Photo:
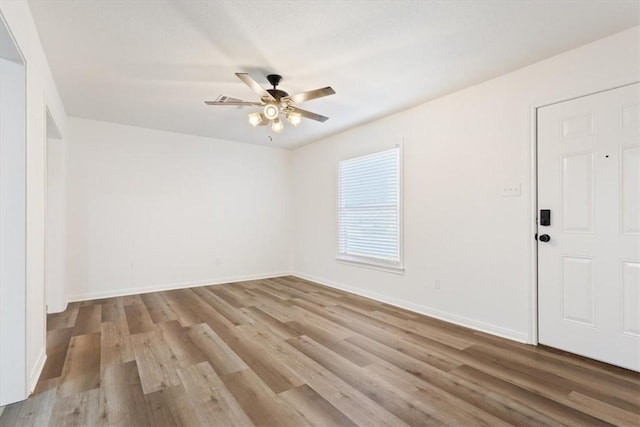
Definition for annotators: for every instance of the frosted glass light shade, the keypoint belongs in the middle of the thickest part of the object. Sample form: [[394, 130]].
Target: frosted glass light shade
[[277, 126], [255, 119], [294, 118]]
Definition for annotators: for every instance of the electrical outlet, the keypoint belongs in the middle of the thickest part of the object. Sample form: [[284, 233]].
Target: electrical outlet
[[217, 261], [436, 284], [511, 190]]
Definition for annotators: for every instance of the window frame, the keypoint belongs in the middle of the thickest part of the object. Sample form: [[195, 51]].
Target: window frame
[[372, 262]]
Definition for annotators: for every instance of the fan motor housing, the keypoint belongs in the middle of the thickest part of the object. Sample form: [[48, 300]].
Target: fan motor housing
[[277, 93]]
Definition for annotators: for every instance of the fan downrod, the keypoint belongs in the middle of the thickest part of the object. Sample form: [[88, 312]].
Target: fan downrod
[[274, 79]]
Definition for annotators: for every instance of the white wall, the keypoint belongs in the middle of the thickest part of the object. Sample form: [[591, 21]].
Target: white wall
[[41, 93], [459, 151], [150, 209]]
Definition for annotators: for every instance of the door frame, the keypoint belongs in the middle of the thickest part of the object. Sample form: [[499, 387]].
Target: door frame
[[22, 347], [533, 200]]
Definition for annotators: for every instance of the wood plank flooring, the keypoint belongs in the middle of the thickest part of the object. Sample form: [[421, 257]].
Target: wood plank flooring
[[288, 352]]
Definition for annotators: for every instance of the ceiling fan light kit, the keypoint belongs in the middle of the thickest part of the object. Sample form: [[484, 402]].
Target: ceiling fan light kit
[[275, 102]]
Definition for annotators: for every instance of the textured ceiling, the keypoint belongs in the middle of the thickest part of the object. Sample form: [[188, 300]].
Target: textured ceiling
[[153, 63]]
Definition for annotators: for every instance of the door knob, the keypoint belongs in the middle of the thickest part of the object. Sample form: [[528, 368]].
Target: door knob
[[544, 238]]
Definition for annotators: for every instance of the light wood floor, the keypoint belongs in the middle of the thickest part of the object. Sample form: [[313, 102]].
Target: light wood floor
[[286, 352]]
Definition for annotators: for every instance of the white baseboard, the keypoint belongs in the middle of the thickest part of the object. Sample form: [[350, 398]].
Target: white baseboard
[[421, 309], [170, 286], [55, 309], [37, 370]]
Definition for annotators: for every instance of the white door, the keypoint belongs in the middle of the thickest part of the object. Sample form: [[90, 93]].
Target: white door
[[589, 269]]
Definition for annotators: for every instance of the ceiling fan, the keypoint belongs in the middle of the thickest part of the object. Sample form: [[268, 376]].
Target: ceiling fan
[[275, 102]]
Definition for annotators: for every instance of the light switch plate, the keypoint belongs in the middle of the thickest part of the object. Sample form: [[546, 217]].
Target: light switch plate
[[511, 190]]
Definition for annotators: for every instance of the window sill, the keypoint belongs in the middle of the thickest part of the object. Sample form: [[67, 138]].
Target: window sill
[[370, 264]]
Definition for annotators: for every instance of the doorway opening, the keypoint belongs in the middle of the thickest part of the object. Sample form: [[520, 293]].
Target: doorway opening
[[55, 222]]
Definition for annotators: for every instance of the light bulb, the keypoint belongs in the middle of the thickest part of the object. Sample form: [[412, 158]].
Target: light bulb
[[294, 118], [271, 111], [277, 126], [255, 119]]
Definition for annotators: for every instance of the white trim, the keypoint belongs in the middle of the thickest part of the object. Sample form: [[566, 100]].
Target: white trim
[[532, 229], [401, 204], [26, 216], [52, 310], [37, 370], [631, 80], [421, 309], [373, 265], [171, 286], [45, 230], [370, 262], [23, 385]]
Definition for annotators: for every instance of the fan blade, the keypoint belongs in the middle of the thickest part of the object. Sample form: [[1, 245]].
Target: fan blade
[[227, 100], [309, 95], [255, 86], [308, 114], [237, 104]]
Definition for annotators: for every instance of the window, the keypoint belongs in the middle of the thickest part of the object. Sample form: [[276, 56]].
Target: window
[[369, 210]]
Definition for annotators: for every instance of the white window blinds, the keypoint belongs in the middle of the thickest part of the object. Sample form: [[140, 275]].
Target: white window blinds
[[369, 208]]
